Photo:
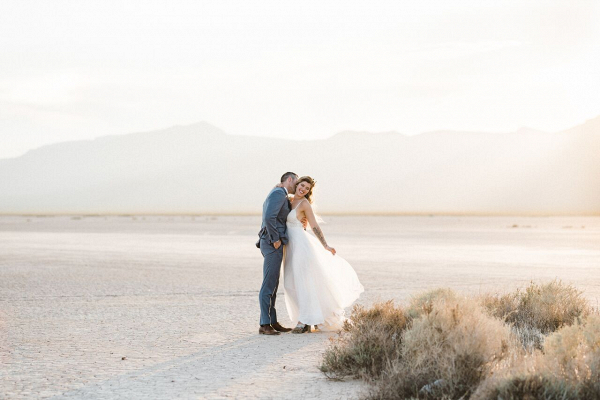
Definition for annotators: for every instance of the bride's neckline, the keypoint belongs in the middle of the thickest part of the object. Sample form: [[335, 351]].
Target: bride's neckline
[[298, 204]]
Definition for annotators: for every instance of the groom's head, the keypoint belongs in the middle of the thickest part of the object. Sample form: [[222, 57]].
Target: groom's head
[[288, 180]]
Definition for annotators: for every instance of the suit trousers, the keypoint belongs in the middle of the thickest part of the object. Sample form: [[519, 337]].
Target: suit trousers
[[268, 291]]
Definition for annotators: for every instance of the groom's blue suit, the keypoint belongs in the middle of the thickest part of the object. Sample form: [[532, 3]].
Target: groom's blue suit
[[275, 211]]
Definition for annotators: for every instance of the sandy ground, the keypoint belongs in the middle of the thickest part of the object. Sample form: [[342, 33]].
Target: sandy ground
[[166, 307]]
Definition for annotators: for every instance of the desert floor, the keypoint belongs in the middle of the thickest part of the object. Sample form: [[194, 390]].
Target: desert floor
[[166, 307]]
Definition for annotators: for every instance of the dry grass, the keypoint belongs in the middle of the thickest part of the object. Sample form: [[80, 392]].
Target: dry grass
[[422, 303], [568, 367], [367, 343], [542, 342], [538, 310], [572, 354], [446, 351]]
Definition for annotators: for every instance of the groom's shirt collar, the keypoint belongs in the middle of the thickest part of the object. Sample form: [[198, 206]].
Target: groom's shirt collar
[[286, 192]]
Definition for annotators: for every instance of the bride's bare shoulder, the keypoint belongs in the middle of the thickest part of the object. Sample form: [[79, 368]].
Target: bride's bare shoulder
[[305, 205]]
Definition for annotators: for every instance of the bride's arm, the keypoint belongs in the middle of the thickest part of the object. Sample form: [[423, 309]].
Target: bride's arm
[[312, 220]]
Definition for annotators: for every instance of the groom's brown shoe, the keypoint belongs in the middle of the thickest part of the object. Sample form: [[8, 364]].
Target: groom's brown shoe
[[267, 330], [280, 328]]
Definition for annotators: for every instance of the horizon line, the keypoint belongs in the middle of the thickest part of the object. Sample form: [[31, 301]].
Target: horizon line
[[333, 214]]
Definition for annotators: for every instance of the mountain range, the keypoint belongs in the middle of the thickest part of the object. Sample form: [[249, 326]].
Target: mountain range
[[199, 169]]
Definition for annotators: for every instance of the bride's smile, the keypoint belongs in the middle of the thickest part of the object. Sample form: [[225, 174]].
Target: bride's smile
[[302, 189]]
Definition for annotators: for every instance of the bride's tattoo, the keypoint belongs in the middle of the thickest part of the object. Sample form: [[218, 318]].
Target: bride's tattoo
[[319, 235]]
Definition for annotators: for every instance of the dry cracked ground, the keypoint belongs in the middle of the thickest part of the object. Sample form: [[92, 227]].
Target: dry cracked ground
[[166, 307]]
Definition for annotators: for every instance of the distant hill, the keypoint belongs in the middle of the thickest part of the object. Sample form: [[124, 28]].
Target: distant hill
[[201, 169]]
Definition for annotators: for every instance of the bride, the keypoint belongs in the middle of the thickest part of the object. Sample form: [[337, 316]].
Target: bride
[[318, 284]]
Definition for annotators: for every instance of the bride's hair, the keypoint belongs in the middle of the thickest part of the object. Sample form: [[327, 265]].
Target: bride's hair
[[311, 182]]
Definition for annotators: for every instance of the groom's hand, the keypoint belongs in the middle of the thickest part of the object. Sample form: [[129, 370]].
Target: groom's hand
[[277, 244], [304, 222]]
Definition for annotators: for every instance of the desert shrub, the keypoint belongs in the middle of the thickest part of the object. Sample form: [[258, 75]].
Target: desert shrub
[[530, 387], [445, 352], [538, 310], [542, 342], [550, 306], [369, 340], [501, 306], [422, 303], [567, 368], [572, 354], [530, 337]]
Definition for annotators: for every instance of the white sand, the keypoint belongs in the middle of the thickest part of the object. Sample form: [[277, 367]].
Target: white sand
[[177, 296]]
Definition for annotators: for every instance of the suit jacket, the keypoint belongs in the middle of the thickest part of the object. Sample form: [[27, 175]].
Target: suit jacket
[[275, 211]]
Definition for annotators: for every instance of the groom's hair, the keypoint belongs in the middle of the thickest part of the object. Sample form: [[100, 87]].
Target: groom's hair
[[285, 176]]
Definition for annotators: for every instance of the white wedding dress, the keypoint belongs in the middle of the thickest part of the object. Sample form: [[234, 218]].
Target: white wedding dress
[[318, 285]]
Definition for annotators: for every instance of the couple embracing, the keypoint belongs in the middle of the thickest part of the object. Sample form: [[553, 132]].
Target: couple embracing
[[318, 284]]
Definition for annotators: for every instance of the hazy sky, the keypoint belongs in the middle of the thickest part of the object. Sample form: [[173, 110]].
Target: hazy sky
[[82, 69]]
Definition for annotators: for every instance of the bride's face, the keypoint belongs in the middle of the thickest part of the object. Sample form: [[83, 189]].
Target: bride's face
[[302, 189]]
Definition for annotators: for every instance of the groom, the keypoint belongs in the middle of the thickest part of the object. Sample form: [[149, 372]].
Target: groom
[[272, 237]]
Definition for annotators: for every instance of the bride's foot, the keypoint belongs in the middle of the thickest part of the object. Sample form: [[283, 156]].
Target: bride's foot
[[301, 328], [316, 328]]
